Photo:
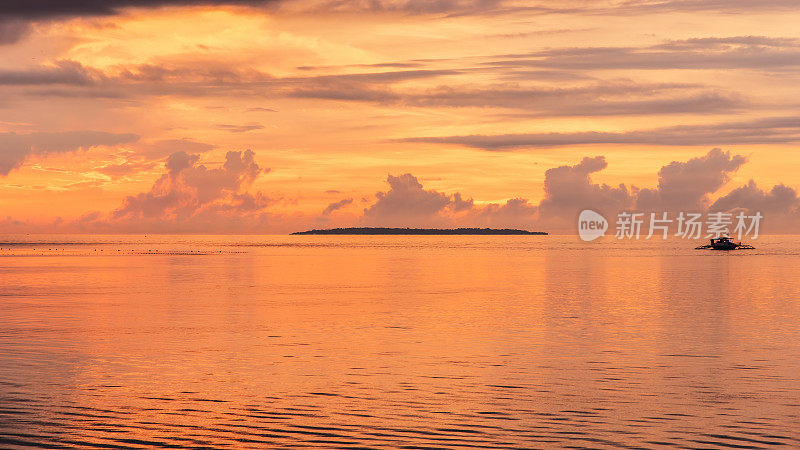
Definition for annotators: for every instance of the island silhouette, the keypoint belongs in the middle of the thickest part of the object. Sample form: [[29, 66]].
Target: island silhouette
[[422, 231]]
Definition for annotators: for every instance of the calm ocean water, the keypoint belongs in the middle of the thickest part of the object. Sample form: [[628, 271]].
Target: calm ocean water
[[397, 342]]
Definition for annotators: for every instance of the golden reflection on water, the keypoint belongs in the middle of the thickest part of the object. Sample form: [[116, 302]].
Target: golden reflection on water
[[439, 342]]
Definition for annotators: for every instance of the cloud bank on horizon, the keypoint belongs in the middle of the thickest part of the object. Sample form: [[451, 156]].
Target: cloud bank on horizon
[[192, 198], [115, 115]]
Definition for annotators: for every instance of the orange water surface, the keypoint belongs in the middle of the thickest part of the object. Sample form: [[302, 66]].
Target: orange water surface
[[397, 342]]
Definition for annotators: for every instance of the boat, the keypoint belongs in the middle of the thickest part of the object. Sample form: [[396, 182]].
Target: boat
[[725, 243]]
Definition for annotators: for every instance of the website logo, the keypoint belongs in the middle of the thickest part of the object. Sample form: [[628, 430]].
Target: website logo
[[591, 225]]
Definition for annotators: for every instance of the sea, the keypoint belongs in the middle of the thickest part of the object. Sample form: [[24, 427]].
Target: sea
[[413, 342]]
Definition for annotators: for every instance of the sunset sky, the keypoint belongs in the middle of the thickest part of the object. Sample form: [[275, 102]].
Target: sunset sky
[[271, 116]]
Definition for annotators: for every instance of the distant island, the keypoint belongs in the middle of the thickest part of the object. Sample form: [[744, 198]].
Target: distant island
[[423, 231]]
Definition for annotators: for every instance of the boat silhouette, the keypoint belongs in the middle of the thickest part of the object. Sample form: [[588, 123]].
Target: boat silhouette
[[724, 243]]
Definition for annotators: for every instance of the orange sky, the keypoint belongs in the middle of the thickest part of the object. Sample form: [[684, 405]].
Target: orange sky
[[475, 97]]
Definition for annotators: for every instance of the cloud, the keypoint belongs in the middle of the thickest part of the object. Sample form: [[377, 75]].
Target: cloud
[[70, 79], [409, 7], [728, 42], [685, 186], [12, 31], [773, 130], [569, 190], [336, 205], [780, 201], [605, 98], [47, 9], [16, 148], [690, 6], [406, 201], [128, 167], [408, 204], [192, 197], [165, 147], [53, 8], [240, 128], [63, 72], [514, 213], [736, 52]]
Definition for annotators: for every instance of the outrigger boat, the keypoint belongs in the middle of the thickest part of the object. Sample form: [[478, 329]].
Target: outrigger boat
[[724, 243]]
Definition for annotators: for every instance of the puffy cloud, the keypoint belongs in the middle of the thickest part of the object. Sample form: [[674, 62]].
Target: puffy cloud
[[336, 205], [407, 203], [192, 197], [514, 213], [686, 186], [569, 189], [179, 161], [780, 206], [16, 148]]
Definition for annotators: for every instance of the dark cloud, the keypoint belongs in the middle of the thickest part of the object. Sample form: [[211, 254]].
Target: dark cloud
[[728, 42], [386, 77], [606, 98], [774, 130], [600, 99], [12, 31], [738, 52], [179, 161], [63, 72], [70, 79], [240, 128], [14, 10], [336, 205], [690, 6], [47, 9], [535, 97], [363, 87], [411, 7], [16, 148]]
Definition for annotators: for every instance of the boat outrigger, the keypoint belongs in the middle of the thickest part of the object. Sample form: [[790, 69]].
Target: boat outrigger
[[724, 243]]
